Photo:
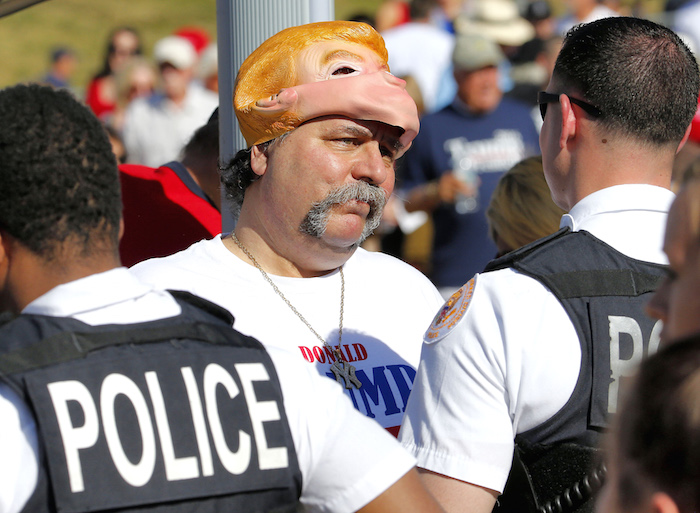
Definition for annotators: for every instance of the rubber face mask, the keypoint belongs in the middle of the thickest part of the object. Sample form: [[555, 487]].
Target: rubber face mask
[[320, 69]]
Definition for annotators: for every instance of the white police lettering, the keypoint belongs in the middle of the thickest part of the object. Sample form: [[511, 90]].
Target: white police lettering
[[85, 435], [135, 474], [74, 438], [235, 462], [625, 328], [261, 411], [200, 426], [175, 468]]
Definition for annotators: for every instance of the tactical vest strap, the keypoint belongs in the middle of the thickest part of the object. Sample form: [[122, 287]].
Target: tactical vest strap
[[599, 283], [67, 346]]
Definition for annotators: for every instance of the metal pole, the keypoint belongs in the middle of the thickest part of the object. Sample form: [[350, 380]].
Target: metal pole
[[242, 25]]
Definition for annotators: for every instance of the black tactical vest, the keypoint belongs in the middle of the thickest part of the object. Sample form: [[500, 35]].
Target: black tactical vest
[[604, 293], [180, 414]]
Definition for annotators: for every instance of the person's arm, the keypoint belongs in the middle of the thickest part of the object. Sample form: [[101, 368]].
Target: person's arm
[[457, 496], [428, 196], [18, 452], [457, 422], [408, 494]]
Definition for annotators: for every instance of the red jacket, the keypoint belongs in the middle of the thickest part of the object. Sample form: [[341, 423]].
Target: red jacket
[[165, 211]]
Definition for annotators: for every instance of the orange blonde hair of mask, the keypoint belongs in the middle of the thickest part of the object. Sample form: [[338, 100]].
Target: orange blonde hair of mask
[[272, 67]]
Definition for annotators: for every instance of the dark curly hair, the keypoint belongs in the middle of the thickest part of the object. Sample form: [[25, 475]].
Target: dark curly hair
[[58, 175], [641, 76], [237, 175]]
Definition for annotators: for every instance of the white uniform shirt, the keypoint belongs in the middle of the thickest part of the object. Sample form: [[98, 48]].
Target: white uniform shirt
[[513, 358], [346, 460]]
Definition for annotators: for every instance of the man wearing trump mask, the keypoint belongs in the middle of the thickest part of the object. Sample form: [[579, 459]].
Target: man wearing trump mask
[[324, 122]]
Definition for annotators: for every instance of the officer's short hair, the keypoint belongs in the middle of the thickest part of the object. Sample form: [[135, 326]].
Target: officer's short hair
[[641, 76], [58, 176]]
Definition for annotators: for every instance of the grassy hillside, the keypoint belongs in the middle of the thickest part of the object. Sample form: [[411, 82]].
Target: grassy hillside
[[27, 37]]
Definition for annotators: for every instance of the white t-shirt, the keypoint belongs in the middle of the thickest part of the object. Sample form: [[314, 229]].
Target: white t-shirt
[[388, 305], [422, 51], [511, 359], [156, 130], [346, 460]]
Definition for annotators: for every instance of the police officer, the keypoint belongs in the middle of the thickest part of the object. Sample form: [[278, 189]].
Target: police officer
[[538, 346], [116, 396]]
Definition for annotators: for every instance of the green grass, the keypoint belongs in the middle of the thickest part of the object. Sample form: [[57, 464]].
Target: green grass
[[27, 37]]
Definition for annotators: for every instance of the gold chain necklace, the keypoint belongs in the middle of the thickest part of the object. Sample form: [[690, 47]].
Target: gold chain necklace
[[344, 372]]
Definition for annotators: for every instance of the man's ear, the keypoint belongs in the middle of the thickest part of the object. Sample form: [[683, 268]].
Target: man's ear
[[258, 159], [685, 138], [662, 503], [121, 228], [5, 247], [568, 121], [5, 251]]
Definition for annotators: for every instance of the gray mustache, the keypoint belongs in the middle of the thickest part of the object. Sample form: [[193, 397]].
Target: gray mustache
[[315, 222]]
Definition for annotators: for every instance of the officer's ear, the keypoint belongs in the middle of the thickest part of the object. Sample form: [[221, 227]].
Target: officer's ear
[[259, 159], [5, 252], [4, 247], [568, 121], [685, 138]]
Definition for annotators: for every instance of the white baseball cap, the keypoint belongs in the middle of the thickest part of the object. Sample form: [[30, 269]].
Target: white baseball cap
[[175, 50]]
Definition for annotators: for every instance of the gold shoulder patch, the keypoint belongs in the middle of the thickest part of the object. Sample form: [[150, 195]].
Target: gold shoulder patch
[[450, 313]]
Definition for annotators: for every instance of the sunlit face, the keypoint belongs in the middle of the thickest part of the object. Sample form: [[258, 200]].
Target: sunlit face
[[125, 44], [336, 59], [479, 89], [313, 161], [677, 301], [175, 81], [141, 82]]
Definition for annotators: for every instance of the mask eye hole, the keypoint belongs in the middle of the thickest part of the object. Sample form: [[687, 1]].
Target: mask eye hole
[[344, 70]]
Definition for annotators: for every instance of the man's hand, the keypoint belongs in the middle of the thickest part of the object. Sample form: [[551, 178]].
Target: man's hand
[[447, 189]]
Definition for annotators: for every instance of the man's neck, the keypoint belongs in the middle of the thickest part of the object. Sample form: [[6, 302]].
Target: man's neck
[[203, 172], [32, 276], [280, 256], [624, 163]]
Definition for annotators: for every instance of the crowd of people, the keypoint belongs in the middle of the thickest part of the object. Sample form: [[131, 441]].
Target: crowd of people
[[545, 360]]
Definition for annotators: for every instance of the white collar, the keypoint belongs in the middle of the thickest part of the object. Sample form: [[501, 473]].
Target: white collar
[[87, 294], [617, 198]]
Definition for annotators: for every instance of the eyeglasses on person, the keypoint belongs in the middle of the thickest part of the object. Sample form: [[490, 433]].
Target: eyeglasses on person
[[544, 98]]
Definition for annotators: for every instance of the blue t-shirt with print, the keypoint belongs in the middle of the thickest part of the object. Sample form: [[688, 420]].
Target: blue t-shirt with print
[[486, 145]]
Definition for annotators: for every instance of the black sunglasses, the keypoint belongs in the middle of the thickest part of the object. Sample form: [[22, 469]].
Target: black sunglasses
[[544, 98]]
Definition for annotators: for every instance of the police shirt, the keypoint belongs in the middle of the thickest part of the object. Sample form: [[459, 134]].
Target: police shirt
[[336, 476], [509, 357]]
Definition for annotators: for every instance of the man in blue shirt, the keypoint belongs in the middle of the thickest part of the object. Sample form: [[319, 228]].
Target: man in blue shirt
[[458, 157]]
